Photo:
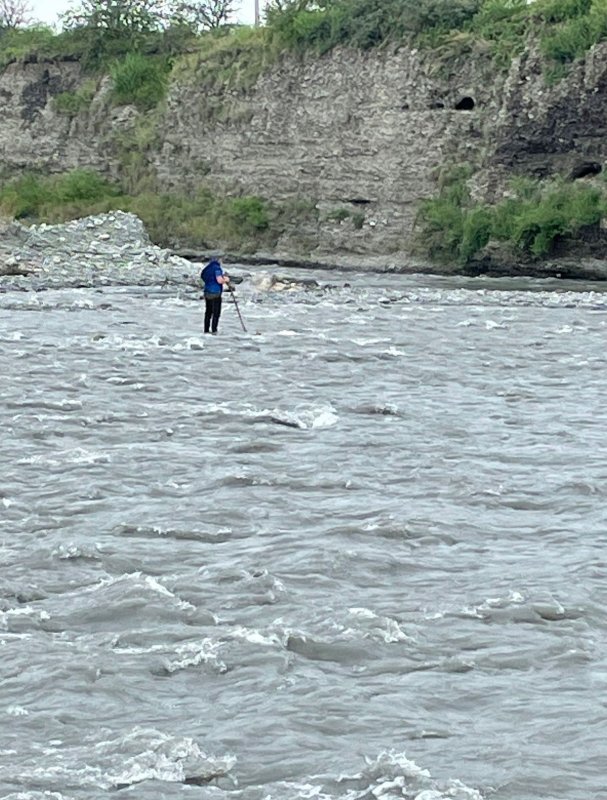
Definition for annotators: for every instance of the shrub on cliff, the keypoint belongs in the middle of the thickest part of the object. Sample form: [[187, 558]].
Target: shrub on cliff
[[72, 103], [305, 24], [57, 197], [566, 29], [453, 228], [139, 80], [205, 219], [15, 43]]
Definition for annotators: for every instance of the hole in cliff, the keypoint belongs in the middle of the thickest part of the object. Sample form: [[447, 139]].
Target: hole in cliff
[[584, 169], [436, 104], [358, 201], [465, 104]]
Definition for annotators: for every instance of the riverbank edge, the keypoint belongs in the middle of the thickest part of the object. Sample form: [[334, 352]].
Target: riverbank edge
[[588, 269]]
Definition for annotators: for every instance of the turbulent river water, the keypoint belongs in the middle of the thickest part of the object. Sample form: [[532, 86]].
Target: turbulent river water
[[358, 552]]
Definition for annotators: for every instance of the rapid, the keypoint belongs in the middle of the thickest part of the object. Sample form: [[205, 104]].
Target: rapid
[[356, 553]]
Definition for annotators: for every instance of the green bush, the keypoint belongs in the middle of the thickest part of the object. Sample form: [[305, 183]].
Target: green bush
[[249, 214], [562, 10], [72, 103], [358, 220], [82, 184], [338, 215], [561, 212], [25, 196], [204, 219], [364, 23], [17, 43], [477, 227], [139, 80], [453, 228], [504, 25], [37, 197], [230, 61], [573, 38]]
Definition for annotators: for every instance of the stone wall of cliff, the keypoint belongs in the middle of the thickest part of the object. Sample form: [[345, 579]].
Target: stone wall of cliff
[[362, 132]]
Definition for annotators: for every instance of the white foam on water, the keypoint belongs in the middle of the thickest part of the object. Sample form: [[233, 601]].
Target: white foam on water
[[78, 455], [192, 654], [323, 416], [380, 627], [254, 636], [141, 755], [298, 791], [17, 711], [71, 551], [168, 759], [359, 342], [11, 614], [191, 343], [45, 795], [139, 580], [393, 776]]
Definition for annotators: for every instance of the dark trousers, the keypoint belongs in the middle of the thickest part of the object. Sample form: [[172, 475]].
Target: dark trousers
[[212, 312]]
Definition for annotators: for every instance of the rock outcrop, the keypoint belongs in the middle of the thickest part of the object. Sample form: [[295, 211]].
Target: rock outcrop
[[358, 137]]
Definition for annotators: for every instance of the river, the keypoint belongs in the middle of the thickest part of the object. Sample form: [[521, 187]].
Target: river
[[355, 553]]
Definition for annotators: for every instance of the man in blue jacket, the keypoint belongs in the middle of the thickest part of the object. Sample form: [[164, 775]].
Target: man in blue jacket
[[214, 279]]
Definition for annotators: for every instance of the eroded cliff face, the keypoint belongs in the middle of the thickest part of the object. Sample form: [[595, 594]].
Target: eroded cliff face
[[362, 133]]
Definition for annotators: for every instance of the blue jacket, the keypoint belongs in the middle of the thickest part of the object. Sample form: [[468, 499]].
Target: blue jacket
[[209, 276]]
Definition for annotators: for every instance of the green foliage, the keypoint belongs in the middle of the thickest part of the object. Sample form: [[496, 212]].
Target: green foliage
[[204, 219], [34, 196], [561, 211], [338, 215], [574, 37], [453, 228], [115, 16], [302, 25], [504, 25], [477, 226], [231, 60], [562, 10], [17, 43], [248, 213], [103, 32], [82, 185], [24, 197], [566, 28], [72, 103], [356, 218], [139, 80]]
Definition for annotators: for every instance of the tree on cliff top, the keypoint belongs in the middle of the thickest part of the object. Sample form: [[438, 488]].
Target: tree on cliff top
[[15, 14], [203, 15], [116, 16], [147, 15]]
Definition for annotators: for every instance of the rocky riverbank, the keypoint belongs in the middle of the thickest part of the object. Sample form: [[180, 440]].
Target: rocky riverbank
[[115, 249], [107, 249]]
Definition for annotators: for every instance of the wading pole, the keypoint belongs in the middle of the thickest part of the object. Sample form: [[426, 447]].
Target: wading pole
[[231, 291]]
